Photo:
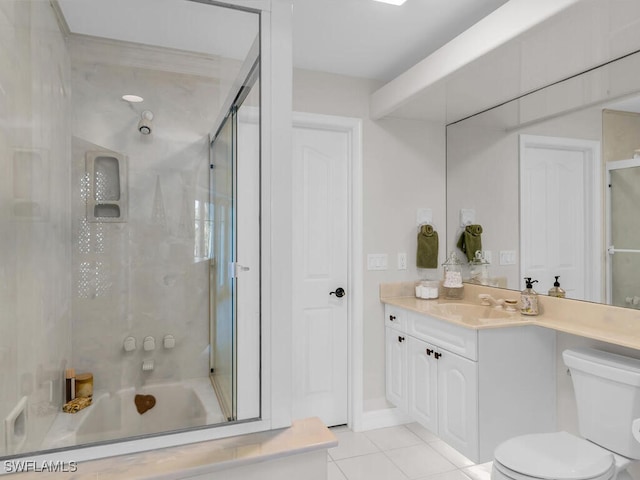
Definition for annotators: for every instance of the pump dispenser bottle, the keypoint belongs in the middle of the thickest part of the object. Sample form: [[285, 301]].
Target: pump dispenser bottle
[[529, 298], [556, 291]]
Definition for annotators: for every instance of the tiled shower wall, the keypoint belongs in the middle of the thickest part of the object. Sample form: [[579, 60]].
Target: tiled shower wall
[[144, 276], [35, 216]]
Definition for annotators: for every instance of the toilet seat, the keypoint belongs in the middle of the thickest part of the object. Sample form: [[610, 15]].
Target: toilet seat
[[553, 456]]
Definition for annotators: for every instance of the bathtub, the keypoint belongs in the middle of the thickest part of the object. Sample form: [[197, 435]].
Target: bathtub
[[112, 416]]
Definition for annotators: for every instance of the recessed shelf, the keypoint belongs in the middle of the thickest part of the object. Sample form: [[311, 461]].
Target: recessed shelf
[[107, 172]]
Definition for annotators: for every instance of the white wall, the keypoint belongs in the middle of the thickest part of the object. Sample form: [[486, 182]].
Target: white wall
[[404, 170]]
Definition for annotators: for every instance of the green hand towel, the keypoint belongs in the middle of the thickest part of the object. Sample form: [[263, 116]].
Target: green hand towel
[[427, 254], [471, 240]]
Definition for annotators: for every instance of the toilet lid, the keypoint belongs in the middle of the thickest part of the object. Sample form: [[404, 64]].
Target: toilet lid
[[559, 456]]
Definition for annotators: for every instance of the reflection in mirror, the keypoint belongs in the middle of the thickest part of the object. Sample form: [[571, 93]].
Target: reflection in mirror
[[124, 293], [537, 174]]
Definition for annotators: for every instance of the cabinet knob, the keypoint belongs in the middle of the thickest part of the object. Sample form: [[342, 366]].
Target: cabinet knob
[[400, 339], [437, 355], [429, 352], [392, 318]]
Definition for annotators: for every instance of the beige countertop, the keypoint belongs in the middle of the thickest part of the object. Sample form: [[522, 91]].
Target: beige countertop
[[199, 458], [615, 325]]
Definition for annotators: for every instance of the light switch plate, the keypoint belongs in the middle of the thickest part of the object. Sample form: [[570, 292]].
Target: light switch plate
[[377, 261], [507, 257]]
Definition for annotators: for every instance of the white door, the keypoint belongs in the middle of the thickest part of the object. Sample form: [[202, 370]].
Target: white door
[[320, 268], [559, 214]]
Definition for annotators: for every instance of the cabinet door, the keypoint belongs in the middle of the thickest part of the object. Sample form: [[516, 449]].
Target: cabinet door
[[458, 403], [423, 384], [396, 367]]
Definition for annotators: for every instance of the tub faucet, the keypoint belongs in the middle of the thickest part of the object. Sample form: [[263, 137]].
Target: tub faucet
[[488, 300]]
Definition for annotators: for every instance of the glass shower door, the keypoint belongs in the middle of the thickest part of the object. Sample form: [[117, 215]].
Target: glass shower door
[[221, 282], [623, 286]]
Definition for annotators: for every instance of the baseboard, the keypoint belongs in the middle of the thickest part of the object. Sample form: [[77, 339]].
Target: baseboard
[[386, 417]]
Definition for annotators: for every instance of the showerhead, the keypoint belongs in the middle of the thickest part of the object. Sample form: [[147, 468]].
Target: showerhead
[[144, 125]]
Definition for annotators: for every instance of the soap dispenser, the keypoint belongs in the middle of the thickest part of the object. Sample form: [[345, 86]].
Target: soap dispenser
[[556, 291], [529, 298]]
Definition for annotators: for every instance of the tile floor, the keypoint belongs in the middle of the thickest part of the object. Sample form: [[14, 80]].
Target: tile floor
[[399, 453]]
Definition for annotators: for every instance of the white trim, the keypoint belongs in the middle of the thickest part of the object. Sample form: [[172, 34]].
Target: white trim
[[616, 165], [593, 187], [353, 128], [276, 86], [386, 417]]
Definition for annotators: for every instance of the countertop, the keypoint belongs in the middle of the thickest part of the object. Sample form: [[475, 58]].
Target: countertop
[[615, 325], [183, 461]]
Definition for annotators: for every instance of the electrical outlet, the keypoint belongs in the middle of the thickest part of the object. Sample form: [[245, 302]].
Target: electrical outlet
[[402, 261]]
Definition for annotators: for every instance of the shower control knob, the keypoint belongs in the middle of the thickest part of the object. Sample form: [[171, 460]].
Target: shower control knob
[[338, 293], [149, 344], [129, 344]]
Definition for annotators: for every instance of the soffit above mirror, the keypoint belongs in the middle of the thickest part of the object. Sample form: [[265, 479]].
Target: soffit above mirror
[[527, 45]]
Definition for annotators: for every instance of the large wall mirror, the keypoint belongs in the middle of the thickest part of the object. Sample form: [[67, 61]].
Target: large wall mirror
[[552, 179]]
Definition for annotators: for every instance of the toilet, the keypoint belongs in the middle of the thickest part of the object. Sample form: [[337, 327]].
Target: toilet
[[607, 388]]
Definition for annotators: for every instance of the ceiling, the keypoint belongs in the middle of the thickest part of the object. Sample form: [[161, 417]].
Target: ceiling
[[361, 38], [365, 38], [183, 25]]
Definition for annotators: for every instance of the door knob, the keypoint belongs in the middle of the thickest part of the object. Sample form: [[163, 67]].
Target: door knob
[[338, 293]]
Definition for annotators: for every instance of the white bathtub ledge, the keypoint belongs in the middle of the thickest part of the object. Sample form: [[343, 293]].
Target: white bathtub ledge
[[305, 437]]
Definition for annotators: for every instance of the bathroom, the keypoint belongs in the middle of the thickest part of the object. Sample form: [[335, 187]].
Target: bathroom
[[422, 146]]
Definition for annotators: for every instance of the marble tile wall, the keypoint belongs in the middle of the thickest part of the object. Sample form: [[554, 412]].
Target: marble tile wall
[[35, 220], [143, 277]]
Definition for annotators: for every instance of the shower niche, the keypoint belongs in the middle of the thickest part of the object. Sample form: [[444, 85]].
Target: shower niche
[[107, 186]]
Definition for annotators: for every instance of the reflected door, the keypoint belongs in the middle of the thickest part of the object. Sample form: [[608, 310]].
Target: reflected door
[[623, 285], [559, 231]]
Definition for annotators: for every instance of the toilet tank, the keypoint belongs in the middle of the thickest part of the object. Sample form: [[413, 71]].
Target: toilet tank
[[607, 388]]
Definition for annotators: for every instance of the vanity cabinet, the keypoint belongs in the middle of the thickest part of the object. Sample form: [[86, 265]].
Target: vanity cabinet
[[396, 367], [443, 393], [474, 388]]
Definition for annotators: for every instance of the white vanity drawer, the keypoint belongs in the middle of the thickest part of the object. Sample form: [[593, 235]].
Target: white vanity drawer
[[395, 317], [454, 338]]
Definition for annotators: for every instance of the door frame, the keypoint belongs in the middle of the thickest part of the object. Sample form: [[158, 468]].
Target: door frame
[[593, 189], [353, 128]]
